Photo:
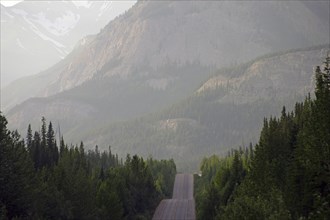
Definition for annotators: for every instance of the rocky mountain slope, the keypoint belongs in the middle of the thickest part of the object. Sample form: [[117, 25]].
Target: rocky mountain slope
[[38, 34], [155, 35]]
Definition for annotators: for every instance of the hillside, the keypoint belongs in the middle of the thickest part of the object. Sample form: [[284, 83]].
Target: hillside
[[159, 53]]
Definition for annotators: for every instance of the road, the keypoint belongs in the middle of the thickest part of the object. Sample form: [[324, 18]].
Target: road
[[182, 204]]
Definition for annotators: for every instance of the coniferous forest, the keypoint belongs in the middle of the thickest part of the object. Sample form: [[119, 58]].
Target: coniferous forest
[[285, 176], [40, 179]]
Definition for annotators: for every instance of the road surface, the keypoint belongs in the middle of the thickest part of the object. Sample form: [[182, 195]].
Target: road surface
[[182, 204]]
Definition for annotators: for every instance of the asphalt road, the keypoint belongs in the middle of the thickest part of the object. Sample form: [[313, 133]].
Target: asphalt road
[[182, 204]]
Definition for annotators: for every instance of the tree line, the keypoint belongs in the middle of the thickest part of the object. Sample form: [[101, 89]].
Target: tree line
[[285, 176], [41, 179]]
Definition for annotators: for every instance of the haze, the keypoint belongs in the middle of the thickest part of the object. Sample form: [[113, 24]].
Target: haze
[[208, 109], [39, 33]]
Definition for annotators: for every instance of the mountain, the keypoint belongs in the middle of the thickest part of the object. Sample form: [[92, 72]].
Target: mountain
[[38, 34], [154, 35], [224, 112], [159, 53], [36, 85]]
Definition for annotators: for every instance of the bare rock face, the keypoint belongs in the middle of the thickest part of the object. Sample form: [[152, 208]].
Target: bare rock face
[[284, 76]]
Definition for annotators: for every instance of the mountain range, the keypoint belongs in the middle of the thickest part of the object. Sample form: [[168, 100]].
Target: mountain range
[[38, 34], [154, 81]]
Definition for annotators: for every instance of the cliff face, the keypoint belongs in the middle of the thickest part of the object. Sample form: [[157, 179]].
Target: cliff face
[[283, 76]]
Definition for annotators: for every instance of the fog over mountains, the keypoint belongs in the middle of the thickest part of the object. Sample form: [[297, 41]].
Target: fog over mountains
[[160, 53], [38, 34]]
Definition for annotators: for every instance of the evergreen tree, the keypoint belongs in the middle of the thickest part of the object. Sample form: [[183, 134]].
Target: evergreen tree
[[16, 175], [29, 139], [52, 150], [43, 133], [37, 151], [109, 203], [69, 188], [313, 152]]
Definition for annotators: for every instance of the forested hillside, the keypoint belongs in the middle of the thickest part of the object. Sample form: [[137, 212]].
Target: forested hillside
[[285, 176], [40, 179], [223, 112]]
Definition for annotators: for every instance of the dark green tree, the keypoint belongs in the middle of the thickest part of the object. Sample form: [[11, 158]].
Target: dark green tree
[[109, 203], [29, 139], [17, 180]]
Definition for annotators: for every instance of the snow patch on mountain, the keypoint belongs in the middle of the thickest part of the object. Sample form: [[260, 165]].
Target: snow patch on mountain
[[85, 4], [61, 25], [19, 43], [104, 7], [49, 27], [19, 12], [42, 35], [41, 19], [9, 15]]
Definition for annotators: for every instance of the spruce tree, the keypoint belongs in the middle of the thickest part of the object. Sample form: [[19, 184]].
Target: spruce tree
[[37, 151], [29, 138], [17, 180]]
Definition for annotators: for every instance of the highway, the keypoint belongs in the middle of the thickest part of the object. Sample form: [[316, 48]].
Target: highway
[[182, 204]]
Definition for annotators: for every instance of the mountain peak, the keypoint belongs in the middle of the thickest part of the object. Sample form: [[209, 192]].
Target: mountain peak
[[48, 27]]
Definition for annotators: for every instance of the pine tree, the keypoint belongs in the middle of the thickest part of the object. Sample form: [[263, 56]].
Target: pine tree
[[17, 180], [313, 151], [37, 151], [51, 148], [62, 146], [50, 137], [29, 139], [43, 132]]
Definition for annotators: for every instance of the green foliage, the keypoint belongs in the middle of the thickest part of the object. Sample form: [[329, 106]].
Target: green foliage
[[17, 179], [108, 201], [39, 182], [288, 173], [164, 172], [219, 180]]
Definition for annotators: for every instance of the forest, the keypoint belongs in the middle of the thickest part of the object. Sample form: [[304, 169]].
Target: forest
[[286, 175], [41, 180]]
